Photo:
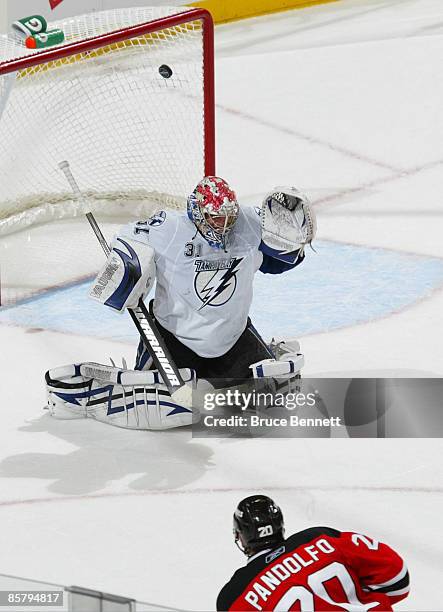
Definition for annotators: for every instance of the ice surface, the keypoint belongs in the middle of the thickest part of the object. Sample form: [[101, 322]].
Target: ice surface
[[344, 101], [339, 284]]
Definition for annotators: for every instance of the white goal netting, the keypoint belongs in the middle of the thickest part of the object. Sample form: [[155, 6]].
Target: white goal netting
[[129, 116]]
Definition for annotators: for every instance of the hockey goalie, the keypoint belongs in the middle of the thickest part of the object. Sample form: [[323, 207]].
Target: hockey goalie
[[204, 264]]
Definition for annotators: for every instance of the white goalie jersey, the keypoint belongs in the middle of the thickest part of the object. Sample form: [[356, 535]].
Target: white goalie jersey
[[203, 295]]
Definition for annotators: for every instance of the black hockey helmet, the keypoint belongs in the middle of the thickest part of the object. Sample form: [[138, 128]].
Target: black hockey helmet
[[258, 524]]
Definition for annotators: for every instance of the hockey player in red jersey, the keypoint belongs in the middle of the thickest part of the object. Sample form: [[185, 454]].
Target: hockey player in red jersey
[[316, 569]]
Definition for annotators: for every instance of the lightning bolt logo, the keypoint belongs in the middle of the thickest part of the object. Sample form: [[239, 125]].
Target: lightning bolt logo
[[219, 287]]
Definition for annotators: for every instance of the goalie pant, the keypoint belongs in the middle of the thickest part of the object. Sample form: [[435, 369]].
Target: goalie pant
[[319, 569], [233, 366]]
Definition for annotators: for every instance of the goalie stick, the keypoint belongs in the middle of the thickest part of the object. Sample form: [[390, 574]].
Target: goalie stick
[[144, 322]]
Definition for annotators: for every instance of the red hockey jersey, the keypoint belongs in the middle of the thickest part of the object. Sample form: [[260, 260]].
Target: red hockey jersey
[[319, 569]]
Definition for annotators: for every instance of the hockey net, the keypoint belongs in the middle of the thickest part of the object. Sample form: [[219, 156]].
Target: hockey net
[[127, 99]]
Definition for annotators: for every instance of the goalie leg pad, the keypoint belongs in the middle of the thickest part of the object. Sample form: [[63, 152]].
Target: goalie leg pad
[[124, 398], [288, 363], [270, 368]]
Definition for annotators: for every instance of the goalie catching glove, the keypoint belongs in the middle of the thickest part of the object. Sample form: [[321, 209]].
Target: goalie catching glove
[[288, 224], [127, 276], [125, 398]]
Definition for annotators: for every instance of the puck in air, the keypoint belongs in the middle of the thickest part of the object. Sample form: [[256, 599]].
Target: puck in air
[[165, 71]]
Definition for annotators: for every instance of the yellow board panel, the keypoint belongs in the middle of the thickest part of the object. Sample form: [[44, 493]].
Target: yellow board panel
[[223, 11]]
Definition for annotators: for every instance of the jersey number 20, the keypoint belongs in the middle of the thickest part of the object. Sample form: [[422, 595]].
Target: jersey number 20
[[305, 597]]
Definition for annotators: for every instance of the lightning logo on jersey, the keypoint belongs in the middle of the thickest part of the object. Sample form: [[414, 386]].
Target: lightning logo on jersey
[[216, 281]]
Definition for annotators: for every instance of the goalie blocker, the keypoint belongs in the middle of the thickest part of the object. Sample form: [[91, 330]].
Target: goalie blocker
[[127, 276]]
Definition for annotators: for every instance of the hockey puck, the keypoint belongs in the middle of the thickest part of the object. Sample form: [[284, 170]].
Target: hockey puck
[[165, 71]]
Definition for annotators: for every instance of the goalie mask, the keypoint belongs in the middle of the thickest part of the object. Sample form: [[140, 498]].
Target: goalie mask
[[213, 208], [258, 524]]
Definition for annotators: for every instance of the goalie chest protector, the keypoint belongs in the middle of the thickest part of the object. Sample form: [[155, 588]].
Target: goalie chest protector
[[203, 294]]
